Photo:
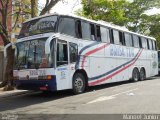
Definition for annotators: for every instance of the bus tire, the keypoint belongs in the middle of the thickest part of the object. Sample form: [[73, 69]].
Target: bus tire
[[79, 83], [135, 75], [142, 74]]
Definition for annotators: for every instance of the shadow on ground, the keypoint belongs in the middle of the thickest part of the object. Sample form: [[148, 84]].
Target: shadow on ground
[[33, 98]]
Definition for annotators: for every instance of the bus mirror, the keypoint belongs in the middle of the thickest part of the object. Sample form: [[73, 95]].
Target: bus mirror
[[47, 45], [13, 46], [6, 47]]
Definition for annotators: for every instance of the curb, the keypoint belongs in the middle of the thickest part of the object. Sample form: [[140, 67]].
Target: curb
[[6, 94]]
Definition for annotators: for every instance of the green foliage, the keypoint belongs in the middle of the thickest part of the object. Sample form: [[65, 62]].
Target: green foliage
[[111, 11], [130, 14], [155, 28]]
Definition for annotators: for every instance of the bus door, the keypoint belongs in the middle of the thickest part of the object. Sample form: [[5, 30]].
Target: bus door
[[62, 64]]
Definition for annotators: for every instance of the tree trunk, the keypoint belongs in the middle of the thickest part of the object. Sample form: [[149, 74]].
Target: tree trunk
[[8, 76], [49, 6], [34, 5]]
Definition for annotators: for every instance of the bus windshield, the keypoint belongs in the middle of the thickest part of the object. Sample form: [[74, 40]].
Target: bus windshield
[[31, 55], [38, 26]]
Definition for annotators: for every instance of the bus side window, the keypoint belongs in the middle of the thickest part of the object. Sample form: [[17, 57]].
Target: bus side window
[[140, 42], [116, 36], [111, 34], [92, 29], [153, 45], [78, 29], [98, 33], [150, 44], [73, 52], [85, 30], [144, 42], [62, 53], [128, 39], [67, 26], [156, 45], [105, 34], [136, 41], [121, 36]]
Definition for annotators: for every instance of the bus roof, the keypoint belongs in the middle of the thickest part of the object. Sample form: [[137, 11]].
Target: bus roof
[[99, 22]]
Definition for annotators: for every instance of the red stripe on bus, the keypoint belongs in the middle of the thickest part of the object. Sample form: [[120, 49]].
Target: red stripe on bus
[[91, 52], [113, 74]]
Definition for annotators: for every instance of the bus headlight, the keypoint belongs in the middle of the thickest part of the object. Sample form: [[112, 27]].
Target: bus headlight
[[47, 77]]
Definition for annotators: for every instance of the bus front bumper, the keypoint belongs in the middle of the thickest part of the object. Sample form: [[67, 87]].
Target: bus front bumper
[[43, 85]]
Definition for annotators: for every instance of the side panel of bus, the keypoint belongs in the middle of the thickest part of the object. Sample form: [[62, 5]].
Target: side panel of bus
[[115, 63]]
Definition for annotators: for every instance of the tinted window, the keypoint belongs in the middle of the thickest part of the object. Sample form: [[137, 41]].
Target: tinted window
[[150, 44], [62, 53], [116, 36], [78, 29], [122, 42], [140, 42], [85, 30], [67, 26], [93, 35], [105, 36], [38, 26], [154, 45], [128, 39], [98, 33], [144, 43], [158, 55], [73, 52], [136, 41]]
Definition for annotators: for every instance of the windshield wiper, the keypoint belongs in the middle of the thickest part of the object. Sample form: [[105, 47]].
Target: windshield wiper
[[19, 65], [35, 56]]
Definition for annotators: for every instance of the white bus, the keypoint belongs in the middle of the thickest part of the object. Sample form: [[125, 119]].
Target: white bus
[[58, 52]]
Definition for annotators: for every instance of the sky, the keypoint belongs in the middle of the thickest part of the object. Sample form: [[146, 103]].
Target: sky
[[153, 11], [69, 6]]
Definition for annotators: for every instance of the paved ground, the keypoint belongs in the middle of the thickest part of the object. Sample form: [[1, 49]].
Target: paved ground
[[118, 98]]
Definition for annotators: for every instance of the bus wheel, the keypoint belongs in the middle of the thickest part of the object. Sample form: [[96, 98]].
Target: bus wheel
[[135, 75], [79, 83], [142, 74]]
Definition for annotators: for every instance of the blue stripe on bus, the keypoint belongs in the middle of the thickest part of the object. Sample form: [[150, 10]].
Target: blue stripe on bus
[[83, 49], [109, 72]]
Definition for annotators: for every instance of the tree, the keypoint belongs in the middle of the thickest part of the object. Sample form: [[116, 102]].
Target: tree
[[125, 13], [7, 13], [5, 10], [49, 4], [136, 14], [107, 10], [154, 28], [34, 9]]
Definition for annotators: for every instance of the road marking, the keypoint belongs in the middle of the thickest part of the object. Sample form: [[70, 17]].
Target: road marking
[[104, 98]]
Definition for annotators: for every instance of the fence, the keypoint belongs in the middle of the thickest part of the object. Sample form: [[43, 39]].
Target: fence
[[1, 65]]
